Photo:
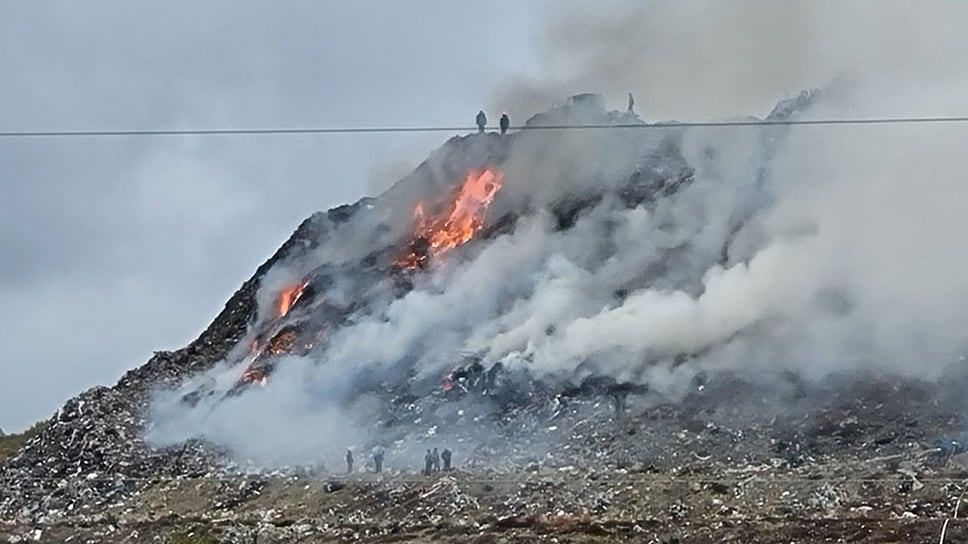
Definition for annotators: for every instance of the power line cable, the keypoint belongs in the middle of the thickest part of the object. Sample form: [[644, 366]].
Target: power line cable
[[427, 129]]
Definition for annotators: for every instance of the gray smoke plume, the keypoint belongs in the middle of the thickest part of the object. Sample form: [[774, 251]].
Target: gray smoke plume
[[814, 250], [703, 59]]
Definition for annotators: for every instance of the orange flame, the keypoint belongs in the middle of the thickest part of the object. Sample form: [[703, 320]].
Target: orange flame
[[279, 344], [289, 296], [465, 218]]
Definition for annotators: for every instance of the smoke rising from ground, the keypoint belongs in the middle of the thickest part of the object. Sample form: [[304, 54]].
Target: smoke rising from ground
[[812, 250]]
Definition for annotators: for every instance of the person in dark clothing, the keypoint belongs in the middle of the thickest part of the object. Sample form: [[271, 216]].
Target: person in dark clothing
[[378, 460], [428, 463], [436, 460], [618, 402], [349, 461], [505, 123], [445, 455], [481, 121]]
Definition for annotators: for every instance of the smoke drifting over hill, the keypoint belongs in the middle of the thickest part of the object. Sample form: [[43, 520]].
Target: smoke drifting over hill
[[763, 251]]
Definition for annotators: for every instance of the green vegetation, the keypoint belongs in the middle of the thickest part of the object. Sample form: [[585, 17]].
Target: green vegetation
[[194, 536], [11, 443]]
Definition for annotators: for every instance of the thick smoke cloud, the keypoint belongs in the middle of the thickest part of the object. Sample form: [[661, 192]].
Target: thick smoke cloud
[[816, 251], [704, 59]]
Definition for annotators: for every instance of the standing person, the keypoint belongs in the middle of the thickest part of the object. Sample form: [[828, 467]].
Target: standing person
[[436, 460], [445, 455], [505, 123], [349, 461], [481, 121], [631, 109], [378, 460], [618, 402], [428, 463]]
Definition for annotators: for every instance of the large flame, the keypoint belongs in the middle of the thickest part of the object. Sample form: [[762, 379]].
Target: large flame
[[432, 237], [289, 296], [467, 216], [437, 235]]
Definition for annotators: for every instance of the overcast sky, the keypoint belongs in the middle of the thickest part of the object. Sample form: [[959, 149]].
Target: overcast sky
[[112, 248]]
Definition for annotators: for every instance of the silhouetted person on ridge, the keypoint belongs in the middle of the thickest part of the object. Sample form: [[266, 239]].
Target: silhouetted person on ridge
[[631, 105], [428, 463], [436, 460], [481, 121], [505, 123], [445, 455], [349, 461]]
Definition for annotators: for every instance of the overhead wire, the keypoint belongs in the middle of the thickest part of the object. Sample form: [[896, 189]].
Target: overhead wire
[[320, 130]]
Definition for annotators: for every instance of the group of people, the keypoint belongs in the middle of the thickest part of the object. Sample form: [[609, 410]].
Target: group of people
[[505, 122], [432, 461]]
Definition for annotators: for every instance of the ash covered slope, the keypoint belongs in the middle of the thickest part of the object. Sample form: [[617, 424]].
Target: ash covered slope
[[92, 452]]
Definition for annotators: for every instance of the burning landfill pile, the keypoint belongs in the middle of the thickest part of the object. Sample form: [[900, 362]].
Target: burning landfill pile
[[547, 300]]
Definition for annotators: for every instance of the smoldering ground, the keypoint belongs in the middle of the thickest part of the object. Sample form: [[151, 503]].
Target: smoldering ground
[[828, 250]]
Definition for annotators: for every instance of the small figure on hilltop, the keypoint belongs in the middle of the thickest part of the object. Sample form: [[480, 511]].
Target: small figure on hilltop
[[428, 463], [435, 458], [481, 121], [349, 461], [445, 455], [631, 110], [505, 123]]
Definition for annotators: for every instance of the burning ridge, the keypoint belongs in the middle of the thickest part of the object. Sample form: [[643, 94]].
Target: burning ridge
[[302, 319]]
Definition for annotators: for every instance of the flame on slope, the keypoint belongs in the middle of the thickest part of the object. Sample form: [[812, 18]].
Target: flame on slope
[[289, 296], [253, 374], [437, 235], [432, 237], [281, 343]]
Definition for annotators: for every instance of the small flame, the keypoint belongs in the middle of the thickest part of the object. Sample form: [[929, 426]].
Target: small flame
[[466, 217], [253, 374], [281, 343], [289, 296]]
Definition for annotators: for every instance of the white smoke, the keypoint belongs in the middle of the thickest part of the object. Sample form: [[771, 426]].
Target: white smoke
[[831, 249]]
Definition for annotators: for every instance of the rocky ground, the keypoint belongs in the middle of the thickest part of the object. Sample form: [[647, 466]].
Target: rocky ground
[[861, 468]]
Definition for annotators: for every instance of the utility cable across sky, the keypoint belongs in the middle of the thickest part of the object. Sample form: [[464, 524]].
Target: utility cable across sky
[[99, 133]]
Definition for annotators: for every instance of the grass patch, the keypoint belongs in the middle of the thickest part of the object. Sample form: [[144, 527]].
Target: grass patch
[[11, 443], [194, 536]]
